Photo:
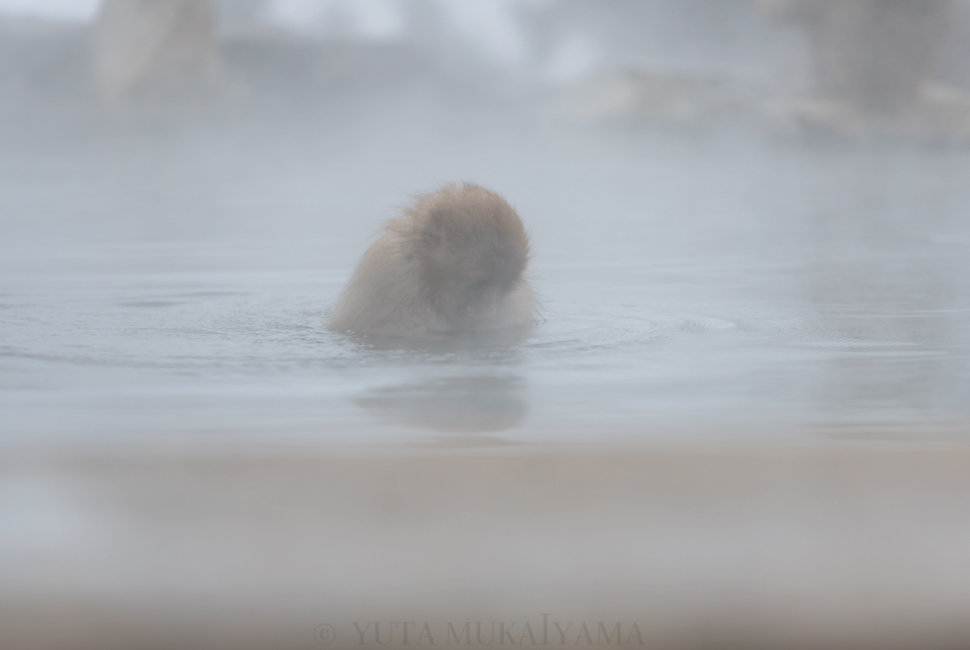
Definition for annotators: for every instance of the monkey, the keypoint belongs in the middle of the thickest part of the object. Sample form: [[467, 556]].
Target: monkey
[[454, 261]]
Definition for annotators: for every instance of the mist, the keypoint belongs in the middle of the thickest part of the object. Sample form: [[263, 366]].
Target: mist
[[740, 419]]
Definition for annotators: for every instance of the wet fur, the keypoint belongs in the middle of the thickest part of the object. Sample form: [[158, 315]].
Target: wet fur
[[454, 261]]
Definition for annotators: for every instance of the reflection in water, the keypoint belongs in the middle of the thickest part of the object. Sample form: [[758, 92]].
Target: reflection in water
[[473, 342], [474, 404]]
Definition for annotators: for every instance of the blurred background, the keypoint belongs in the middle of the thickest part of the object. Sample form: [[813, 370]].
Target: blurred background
[[743, 421]]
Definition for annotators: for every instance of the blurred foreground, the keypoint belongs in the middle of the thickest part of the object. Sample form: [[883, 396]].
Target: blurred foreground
[[820, 547]]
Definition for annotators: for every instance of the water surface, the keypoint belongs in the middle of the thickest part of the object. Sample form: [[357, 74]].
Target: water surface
[[167, 283]]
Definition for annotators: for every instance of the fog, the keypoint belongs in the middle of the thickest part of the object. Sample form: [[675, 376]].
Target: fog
[[742, 418]]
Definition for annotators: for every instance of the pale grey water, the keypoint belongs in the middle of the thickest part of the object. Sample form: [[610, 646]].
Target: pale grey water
[[168, 283]]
